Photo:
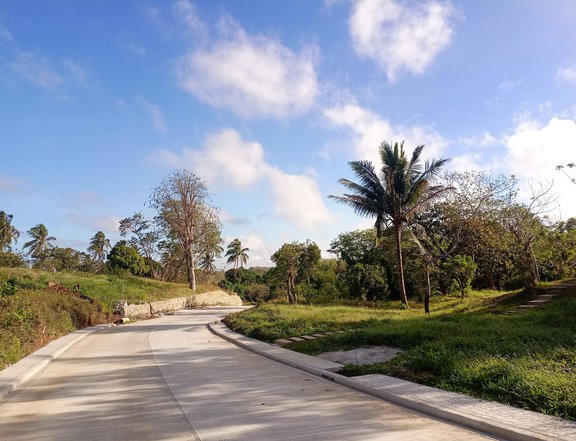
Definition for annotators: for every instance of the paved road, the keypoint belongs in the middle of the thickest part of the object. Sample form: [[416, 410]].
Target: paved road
[[171, 379]]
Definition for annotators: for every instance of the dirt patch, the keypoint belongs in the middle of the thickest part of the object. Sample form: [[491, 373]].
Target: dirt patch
[[362, 356]]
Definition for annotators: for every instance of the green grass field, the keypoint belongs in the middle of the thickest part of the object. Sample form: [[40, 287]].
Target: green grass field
[[528, 360]]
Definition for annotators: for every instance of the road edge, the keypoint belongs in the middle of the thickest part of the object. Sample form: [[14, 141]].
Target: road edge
[[481, 423]]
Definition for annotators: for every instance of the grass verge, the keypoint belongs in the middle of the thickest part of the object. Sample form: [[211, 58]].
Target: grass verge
[[527, 360]]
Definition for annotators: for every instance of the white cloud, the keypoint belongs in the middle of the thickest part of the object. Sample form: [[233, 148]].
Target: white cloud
[[400, 37], [486, 139], [186, 12], [254, 76], [37, 70], [370, 130], [567, 74], [533, 152], [155, 113], [227, 160]]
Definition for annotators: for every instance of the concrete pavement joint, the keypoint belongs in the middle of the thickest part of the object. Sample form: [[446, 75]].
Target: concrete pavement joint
[[489, 417]]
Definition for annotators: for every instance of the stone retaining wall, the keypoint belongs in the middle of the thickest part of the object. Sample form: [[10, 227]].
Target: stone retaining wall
[[212, 298]]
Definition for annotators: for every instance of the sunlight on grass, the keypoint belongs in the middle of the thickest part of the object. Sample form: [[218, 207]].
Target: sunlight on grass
[[528, 360]]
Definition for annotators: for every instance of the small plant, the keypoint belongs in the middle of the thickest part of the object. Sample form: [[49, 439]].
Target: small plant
[[9, 287]]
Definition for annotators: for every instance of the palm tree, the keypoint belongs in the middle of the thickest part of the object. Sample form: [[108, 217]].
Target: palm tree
[[401, 189], [99, 246], [40, 241], [212, 250], [207, 262], [8, 234], [236, 255]]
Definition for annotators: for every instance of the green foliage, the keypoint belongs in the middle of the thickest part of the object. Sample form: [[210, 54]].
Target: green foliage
[[11, 260], [527, 360], [461, 270], [8, 233], [9, 287], [296, 260], [125, 257]]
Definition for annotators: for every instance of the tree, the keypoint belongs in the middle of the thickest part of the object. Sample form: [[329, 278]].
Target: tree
[[460, 269], [294, 260], [185, 213], [8, 234], [99, 246], [472, 221], [237, 255], [570, 165], [144, 238], [125, 257], [40, 241], [401, 190]]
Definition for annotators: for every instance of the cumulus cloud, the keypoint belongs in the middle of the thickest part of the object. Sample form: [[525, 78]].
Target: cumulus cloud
[[158, 120], [567, 74], [534, 150], [252, 75], [370, 130], [401, 37], [227, 160]]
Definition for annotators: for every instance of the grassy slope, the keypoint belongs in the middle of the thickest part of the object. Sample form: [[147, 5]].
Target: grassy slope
[[33, 316], [527, 360]]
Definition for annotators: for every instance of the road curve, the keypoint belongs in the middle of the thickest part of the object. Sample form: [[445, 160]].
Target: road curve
[[171, 379]]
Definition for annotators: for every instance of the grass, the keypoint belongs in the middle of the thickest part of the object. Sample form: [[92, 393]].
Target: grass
[[105, 288], [528, 360], [31, 316]]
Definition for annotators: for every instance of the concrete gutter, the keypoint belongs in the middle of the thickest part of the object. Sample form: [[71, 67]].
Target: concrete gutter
[[19, 373], [488, 417]]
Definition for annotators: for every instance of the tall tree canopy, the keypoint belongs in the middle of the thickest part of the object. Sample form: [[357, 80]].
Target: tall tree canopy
[[40, 241], [143, 237], [295, 260], [185, 213], [401, 189], [8, 234]]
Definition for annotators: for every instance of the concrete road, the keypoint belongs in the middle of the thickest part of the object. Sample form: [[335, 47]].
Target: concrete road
[[171, 379]]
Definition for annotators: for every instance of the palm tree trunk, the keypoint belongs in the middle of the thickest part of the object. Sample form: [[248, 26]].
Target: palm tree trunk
[[403, 297], [428, 289]]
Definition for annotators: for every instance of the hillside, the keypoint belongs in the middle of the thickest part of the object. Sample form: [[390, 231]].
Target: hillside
[[32, 313]]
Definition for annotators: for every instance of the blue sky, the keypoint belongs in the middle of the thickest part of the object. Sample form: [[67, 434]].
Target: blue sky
[[268, 101]]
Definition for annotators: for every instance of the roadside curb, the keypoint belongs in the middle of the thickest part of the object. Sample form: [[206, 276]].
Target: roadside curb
[[25, 369], [492, 418]]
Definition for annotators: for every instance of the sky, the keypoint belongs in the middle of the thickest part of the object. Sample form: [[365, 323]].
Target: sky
[[268, 101]]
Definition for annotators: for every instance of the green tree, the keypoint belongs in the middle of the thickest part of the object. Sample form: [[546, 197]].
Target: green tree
[[237, 255], [40, 242], [185, 214], [143, 237], [8, 233], [295, 260], [125, 257], [461, 270], [401, 189], [99, 246]]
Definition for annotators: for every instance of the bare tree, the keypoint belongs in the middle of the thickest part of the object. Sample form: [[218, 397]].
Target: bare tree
[[185, 213]]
